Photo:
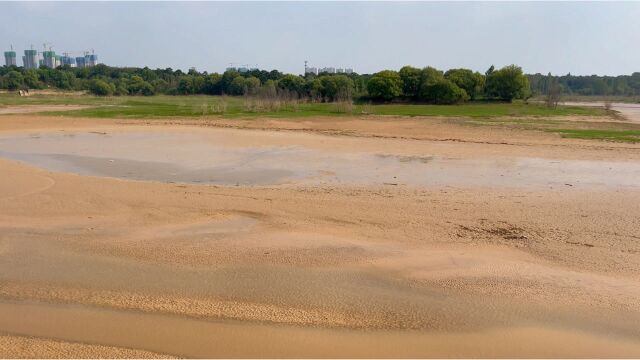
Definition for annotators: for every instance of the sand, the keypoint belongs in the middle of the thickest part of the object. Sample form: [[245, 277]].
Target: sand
[[629, 111], [26, 109], [93, 264]]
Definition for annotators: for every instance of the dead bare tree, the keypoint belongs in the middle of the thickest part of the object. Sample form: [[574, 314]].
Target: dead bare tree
[[343, 102], [554, 92]]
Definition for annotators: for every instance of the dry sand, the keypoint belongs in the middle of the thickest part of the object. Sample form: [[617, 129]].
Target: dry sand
[[94, 265], [26, 109]]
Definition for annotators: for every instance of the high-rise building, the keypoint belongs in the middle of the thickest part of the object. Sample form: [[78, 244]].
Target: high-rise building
[[50, 59], [30, 59], [87, 61], [80, 62], [328, 70], [68, 60], [91, 60], [10, 58]]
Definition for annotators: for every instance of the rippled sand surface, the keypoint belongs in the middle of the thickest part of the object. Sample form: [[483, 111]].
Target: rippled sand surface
[[244, 243]]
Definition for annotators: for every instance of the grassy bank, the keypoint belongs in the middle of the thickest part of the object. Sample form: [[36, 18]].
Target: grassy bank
[[631, 136], [517, 115], [193, 106]]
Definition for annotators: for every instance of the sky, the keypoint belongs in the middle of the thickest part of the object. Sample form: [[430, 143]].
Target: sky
[[567, 37]]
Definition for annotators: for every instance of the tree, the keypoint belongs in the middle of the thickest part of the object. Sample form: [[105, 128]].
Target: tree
[[251, 85], [446, 92], [385, 85], [313, 88], [336, 86], [160, 86], [471, 82], [434, 88], [226, 80], [553, 92], [101, 88], [31, 79], [429, 76], [490, 70], [237, 86], [185, 85], [507, 84], [410, 81], [292, 83], [14, 80], [212, 84], [138, 86]]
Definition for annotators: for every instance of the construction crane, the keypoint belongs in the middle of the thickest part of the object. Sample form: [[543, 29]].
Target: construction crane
[[81, 52], [44, 46]]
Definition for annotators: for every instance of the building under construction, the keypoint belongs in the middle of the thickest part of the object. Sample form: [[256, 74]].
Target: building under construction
[[33, 59], [10, 58], [30, 59], [50, 59], [88, 60]]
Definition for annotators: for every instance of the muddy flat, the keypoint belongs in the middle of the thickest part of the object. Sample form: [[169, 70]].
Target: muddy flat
[[630, 111], [322, 238]]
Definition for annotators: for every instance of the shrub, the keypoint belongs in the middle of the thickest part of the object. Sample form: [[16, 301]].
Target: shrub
[[385, 85], [101, 88]]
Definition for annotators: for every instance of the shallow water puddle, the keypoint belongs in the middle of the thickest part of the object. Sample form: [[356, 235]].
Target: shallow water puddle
[[189, 158], [197, 338]]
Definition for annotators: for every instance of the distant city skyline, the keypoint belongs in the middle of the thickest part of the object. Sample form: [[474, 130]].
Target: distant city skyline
[[569, 37]]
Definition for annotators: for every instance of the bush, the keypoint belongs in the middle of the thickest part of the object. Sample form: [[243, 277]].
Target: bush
[[446, 92], [471, 82], [101, 88], [336, 87], [434, 88], [410, 81], [507, 84], [14, 80], [385, 85]]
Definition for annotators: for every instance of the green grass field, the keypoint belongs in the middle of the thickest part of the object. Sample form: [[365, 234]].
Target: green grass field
[[631, 136], [230, 107], [533, 116]]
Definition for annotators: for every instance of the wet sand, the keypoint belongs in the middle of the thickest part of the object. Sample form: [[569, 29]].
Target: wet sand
[[629, 111], [327, 259], [208, 157]]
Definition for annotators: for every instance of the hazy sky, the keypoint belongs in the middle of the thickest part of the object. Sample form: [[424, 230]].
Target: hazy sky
[[576, 37]]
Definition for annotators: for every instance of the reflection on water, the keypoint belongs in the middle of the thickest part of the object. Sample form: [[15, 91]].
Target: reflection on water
[[202, 339], [187, 158]]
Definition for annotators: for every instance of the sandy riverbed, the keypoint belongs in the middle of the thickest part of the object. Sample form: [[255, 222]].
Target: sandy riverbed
[[629, 111], [323, 256], [26, 109]]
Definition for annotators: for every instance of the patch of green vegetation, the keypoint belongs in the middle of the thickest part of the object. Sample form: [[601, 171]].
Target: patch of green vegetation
[[230, 107], [12, 99], [485, 110], [632, 136], [511, 122]]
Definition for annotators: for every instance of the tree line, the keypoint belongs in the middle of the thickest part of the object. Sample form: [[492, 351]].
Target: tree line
[[409, 84], [593, 85]]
